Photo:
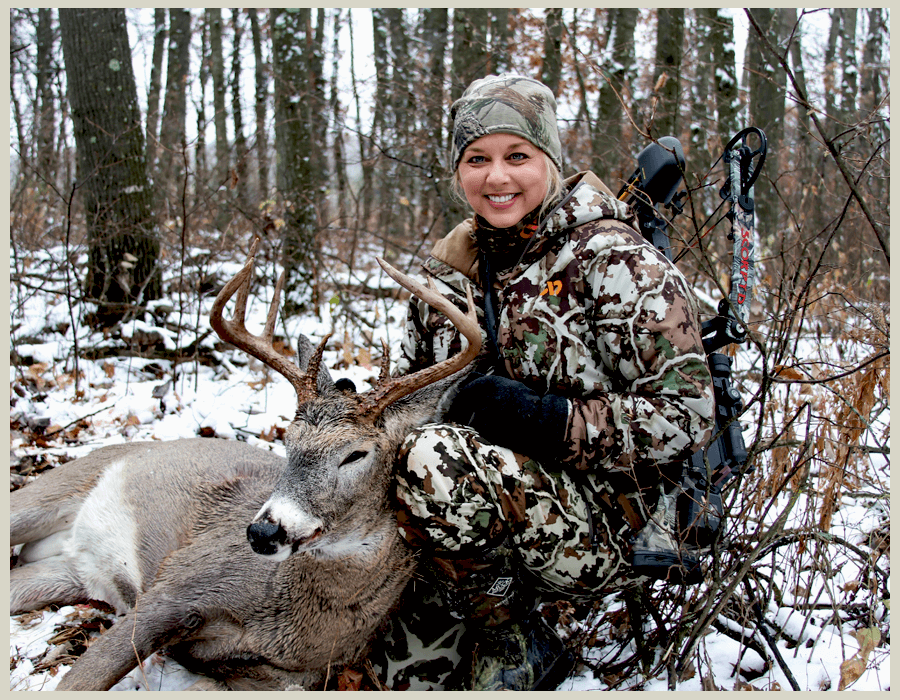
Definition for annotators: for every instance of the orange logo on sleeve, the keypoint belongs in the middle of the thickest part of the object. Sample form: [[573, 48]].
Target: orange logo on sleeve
[[554, 287]]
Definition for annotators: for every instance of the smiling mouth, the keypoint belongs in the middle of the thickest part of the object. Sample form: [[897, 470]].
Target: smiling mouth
[[500, 198]]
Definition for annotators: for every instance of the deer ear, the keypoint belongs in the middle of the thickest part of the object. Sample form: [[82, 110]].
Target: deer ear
[[305, 350], [344, 384], [425, 405]]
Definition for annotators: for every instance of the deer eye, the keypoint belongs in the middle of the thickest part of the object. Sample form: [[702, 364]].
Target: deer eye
[[354, 457]]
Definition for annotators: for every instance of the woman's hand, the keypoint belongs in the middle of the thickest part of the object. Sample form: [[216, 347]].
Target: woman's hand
[[507, 413]]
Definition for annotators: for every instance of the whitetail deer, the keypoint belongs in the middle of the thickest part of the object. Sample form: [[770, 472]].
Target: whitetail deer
[[159, 530]]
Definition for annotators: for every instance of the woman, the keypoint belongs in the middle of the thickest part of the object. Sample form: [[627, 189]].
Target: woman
[[593, 381]]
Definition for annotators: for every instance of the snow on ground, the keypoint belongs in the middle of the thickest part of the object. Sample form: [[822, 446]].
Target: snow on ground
[[238, 400]]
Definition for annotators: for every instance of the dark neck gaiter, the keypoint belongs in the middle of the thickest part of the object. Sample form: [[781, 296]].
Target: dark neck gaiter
[[503, 246]]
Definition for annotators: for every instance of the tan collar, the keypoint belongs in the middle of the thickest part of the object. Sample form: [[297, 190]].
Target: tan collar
[[459, 250]]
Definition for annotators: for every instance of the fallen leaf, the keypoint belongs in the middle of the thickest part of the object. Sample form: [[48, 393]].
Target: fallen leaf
[[350, 679], [851, 670]]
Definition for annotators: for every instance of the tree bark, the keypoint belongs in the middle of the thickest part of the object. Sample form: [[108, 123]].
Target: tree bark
[[434, 34], [296, 184], [239, 179], [365, 157], [172, 130], [160, 33], [726, 84], [220, 117], [337, 146], [46, 104], [501, 58], [701, 92], [609, 155], [767, 91], [470, 48], [261, 97], [201, 166], [849, 65], [667, 75], [831, 89], [551, 71], [123, 243]]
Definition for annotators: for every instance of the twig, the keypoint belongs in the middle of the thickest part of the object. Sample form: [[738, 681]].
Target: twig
[[140, 664], [741, 638], [78, 420], [68, 282], [877, 357], [761, 626]]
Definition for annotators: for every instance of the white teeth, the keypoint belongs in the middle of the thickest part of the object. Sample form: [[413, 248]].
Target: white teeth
[[501, 198]]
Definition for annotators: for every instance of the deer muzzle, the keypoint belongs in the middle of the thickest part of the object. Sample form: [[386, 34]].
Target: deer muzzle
[[281, 528], [266, 538]]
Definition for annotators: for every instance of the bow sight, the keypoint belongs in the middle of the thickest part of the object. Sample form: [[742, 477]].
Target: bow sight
[[689, 514]]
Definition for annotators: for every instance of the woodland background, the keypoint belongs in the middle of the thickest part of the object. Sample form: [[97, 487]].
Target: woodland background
[[148, 146]]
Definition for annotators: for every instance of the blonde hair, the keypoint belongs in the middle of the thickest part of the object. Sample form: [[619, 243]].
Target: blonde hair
[[554, 186]]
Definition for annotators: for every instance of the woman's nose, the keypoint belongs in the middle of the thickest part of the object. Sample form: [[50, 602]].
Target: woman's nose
[[497, 172]]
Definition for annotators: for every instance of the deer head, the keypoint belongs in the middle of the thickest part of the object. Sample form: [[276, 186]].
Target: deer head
[[332, 499]]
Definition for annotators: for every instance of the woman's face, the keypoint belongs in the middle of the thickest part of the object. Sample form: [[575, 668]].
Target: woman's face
[[504, 177]]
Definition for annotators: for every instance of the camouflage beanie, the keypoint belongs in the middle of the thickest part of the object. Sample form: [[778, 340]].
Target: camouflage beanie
[[506, 104]]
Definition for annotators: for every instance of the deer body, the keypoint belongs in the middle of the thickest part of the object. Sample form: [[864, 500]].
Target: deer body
[[160, 531], [199, 590]]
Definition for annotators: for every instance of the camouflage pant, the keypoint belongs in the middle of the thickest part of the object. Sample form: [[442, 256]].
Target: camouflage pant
[[461, 495]]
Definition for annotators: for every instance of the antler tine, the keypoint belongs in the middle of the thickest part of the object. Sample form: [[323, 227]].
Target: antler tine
[[389, 391], [261, 347], [385, 362]]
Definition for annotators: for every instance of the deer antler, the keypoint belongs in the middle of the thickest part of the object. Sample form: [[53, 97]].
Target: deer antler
[[261, 347], [390, 390]]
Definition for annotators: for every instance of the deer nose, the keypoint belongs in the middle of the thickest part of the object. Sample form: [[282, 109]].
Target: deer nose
[[265, 536]]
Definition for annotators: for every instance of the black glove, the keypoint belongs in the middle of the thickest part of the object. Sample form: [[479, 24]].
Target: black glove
[[507, 413]]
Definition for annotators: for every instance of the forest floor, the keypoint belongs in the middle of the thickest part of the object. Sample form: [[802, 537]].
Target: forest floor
[[123, 395]]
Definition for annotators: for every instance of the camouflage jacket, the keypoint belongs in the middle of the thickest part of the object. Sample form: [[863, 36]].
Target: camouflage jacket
[[595, 314]]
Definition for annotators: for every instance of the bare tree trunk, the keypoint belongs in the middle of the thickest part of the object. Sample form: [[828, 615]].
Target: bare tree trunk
[[365, 158], [46, 104], [470, 54], [122, 258], [831, 89], [18, 47], [153, 92], [849, 64], [501, 57], [701, 93], [551, 71], [318, 118], [434, 34], [293, 144], [220, 117], [239, 180], [337, 149], [201, 165], [262, 92], [726, 85], [400, 116], [172, 130], [609, 155], [767, 92], [872, 78], [667, 75]]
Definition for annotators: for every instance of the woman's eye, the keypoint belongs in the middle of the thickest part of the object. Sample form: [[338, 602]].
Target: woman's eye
[[518, 156], [474, 160], [354, 457]]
